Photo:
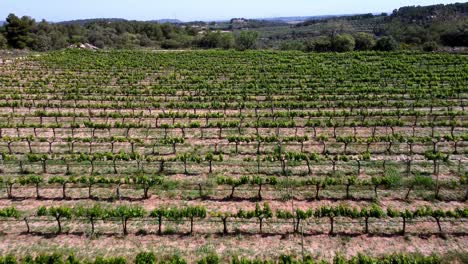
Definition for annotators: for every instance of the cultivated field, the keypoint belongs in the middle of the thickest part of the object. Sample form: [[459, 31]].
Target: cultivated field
[[252, 154]]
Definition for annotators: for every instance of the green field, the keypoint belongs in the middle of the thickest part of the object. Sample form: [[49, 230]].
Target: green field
[[253, 154]]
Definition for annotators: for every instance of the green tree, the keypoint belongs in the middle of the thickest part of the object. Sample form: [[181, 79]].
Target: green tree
[[246, 40], [343, 43], [18, 31], [364, 41], [387, 44]]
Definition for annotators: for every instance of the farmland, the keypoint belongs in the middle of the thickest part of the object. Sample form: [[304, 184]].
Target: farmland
[[253, 154]]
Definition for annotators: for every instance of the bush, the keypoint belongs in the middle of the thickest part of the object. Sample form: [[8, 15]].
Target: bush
[[3, 42], [171, 44], [387, 44], [246, 40], [210, 259], [216, 40], [145, 258], [292, 45], [430, 46], [364, 41], [9, 259], [343, 43], [322, 44]]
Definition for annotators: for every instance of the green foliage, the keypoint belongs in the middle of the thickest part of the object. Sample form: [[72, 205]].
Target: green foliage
[[342, 43], [211, 40], [9, 212], [3, 42], [210, 259], [145, 258], [364, 41], [246, 40], [386, 44], [430, 46], [18, 31]]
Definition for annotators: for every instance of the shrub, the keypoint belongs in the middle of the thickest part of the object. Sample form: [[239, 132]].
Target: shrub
[[343, 43], [387, 44]]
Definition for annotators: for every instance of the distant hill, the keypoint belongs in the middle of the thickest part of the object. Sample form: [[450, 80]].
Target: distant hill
[[2, 23], [297, 19], [83, 22], [171, 21]]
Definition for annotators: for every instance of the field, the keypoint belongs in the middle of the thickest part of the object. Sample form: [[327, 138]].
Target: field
[[253, 154]]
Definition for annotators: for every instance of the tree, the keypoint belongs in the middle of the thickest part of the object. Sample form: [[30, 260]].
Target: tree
[[246, 40], [387, 44], [430, 46], [343, 43], [125, 213], [321, 44], [18, 31], [364, 41], [58, 213], [216, 39]]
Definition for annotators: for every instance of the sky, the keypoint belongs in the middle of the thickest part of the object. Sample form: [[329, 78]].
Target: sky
[[191, 10]]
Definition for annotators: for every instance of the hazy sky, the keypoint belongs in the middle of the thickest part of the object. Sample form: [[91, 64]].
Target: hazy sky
[[189, 10]]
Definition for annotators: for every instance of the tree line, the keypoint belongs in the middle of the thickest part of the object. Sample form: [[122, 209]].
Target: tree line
[[24, 32], [427, 28]]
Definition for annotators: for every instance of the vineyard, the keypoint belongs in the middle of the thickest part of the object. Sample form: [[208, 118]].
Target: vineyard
[[256, 154]]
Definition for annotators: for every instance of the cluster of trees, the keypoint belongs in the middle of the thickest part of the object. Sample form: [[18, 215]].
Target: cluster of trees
[[25, 32], [344, 42], [425, 27], [428, 26]]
